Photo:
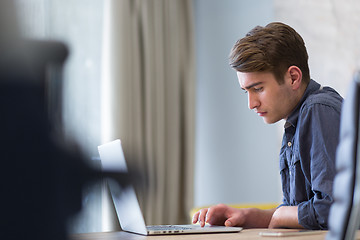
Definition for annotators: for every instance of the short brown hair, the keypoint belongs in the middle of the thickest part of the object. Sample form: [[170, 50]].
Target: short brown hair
[[273, 48]]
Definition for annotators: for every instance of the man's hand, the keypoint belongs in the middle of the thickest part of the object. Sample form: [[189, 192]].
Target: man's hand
[[224, 215]]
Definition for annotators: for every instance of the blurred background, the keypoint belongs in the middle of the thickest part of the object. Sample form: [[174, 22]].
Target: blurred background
[[155, 74]]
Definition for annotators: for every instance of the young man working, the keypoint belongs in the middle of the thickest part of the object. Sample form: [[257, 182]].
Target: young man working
[[271, 63]]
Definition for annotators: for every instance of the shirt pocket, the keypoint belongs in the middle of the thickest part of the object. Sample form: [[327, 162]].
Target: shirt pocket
[[285, 181], [298, 192]]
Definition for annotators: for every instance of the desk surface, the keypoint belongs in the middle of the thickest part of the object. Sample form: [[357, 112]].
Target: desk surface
[[245, 234]]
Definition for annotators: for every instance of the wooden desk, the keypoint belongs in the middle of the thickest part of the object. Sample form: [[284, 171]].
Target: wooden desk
[[245, 234]]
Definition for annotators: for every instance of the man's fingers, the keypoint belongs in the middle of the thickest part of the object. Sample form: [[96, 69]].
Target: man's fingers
[[202, 216], [209, 214], [228, 223], [196, 217]]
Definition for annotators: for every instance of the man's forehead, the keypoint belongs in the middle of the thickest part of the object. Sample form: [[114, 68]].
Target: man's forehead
[[248, 80]]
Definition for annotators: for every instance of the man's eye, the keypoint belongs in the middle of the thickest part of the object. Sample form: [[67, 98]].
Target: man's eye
[[258, 89]]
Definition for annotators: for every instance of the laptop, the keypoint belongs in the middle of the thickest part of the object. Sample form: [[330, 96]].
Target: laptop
[[127, 206]]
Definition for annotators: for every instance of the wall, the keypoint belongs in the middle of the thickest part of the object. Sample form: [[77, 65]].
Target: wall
[[236, 152]]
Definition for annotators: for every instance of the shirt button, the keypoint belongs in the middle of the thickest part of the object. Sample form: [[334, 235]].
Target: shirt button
[[289, 144]]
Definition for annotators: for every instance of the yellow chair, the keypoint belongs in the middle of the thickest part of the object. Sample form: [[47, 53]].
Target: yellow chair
[[263, 206]]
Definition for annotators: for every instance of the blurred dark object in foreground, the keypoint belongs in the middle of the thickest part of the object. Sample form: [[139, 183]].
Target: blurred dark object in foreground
[[41, 179]]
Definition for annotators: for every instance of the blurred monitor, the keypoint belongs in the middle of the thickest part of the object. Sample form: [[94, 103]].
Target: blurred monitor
[[344, 217]]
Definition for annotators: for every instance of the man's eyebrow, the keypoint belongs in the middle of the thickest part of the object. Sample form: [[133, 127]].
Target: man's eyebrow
[[251, 86]]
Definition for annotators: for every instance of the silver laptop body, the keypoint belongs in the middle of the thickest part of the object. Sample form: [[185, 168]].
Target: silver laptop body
[[126, 204]]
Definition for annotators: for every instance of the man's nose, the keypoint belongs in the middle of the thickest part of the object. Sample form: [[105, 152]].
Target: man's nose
[[253, 101]]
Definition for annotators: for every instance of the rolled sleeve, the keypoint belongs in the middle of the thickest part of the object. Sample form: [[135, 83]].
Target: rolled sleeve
[[313, 214]]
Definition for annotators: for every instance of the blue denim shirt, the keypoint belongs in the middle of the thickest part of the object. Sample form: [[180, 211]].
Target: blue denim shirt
[[307, 155]]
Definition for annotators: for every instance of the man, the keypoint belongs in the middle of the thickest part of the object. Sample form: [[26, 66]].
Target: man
[[272, 67]]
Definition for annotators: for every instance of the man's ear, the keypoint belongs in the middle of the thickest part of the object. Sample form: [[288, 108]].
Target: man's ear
[[295, 76]]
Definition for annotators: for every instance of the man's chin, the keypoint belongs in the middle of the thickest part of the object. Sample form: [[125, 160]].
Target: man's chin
[[269, 121]]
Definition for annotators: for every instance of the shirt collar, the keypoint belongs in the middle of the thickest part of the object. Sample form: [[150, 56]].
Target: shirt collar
[[293, 117]]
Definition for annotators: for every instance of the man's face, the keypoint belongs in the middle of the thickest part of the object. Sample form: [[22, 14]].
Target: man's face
[[266, 97]]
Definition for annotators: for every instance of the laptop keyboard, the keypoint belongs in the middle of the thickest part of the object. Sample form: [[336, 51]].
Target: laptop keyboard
[[167, 227]]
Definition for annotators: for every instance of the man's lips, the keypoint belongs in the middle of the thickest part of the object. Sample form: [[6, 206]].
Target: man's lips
[[261, 114]]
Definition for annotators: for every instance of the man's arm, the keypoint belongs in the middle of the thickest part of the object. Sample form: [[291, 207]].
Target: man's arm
[[285, 217], [282, 217]]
